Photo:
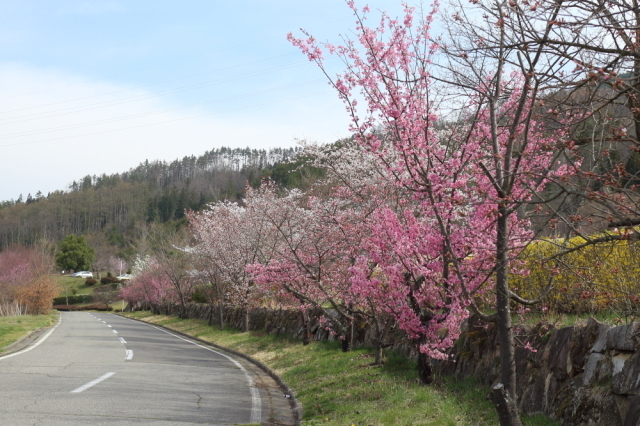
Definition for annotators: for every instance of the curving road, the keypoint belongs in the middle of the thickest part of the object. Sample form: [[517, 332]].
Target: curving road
[[102, 369]]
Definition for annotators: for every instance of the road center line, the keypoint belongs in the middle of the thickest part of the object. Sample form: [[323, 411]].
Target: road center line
[[110, 326], [93, 383], [129, 354], [115, 331], [122, 340]]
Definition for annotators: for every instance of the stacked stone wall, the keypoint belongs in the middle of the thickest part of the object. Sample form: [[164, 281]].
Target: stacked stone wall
[[584, 374]]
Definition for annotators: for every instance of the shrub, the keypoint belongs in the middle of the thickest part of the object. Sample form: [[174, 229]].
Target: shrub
[[199, 296], [90, 282], [37, 295], [594, 278], [66, 308], [109, 280]]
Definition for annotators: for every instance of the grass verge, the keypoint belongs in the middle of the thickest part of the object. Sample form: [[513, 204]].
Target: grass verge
[[337, 388], [68, 284], [13, 329]]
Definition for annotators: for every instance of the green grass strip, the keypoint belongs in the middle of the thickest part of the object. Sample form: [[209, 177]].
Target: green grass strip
[[13, 329], [337, 388]]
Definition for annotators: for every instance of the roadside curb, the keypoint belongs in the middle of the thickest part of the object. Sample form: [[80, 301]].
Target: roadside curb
[[22, 342], [293, 401], [27, 340]]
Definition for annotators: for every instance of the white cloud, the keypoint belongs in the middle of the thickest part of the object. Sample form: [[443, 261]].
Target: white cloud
[[46, 141]]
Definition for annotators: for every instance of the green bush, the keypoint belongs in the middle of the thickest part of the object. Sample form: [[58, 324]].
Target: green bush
[[198, 295]]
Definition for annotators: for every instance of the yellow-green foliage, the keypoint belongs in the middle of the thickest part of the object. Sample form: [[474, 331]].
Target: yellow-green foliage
[[605, 275]]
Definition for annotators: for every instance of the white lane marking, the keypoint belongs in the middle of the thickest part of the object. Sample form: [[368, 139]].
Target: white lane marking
[[35, 345], [115, 331], [129, 354], [122, 340], [256, 402], [103, 321], [92, 383], [110, 326]]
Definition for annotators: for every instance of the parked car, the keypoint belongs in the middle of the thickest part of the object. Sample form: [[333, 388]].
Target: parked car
[[124, 277], [83, 274]]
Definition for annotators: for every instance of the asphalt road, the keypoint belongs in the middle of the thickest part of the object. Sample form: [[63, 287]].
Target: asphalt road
[[102, 369]]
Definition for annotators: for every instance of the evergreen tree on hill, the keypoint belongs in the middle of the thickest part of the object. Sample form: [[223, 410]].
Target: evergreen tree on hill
[[74, 253]]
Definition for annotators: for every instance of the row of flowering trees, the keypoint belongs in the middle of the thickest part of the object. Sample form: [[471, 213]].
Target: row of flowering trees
[[461, 145]]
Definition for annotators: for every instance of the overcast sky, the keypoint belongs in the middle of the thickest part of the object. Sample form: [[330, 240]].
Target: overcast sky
[[98, 86]]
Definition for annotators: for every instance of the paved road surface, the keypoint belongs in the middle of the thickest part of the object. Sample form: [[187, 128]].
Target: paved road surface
[[102, 369]]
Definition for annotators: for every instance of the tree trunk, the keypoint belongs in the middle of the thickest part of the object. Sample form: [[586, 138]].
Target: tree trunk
[[352, 327], [305, 327], [210, 321], [379, 354], [221, 314], [245, 320], [425, 372], [506, 408], [506, 405], [344, 343]]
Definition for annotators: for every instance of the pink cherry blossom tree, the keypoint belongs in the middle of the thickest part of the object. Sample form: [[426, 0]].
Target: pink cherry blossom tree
[[149, 286], [470, 180]]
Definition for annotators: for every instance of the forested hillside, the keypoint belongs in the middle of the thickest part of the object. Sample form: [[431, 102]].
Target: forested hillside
[[109, 207]]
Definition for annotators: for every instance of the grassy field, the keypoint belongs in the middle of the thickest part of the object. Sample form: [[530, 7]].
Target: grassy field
[[14, 328], [337, 388], [68, 284]]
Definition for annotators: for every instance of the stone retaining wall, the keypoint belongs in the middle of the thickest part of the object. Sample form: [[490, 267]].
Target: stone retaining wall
[[585, 374], [278, 322]]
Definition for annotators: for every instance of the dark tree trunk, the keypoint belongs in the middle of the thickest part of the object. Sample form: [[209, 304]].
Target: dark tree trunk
[[345, 344], [425, 372], [352, 329], [210, 321], [304, 316]]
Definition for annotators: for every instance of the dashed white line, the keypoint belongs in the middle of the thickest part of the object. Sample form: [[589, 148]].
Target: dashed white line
[[122, 340], [110, 326], [115, 331], [92, 383], [129, 354]]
